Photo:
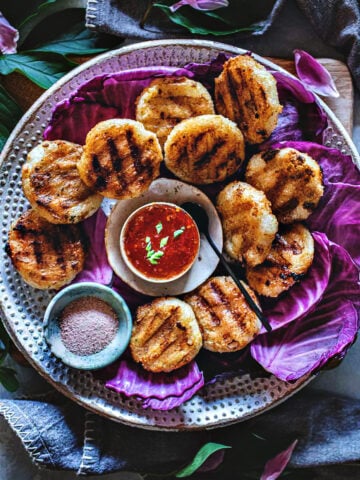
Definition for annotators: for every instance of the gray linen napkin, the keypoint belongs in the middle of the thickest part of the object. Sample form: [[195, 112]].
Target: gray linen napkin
[[336, 22], [58, 434]]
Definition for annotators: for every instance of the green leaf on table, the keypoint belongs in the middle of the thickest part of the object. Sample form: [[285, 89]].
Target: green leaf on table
[[202, 23], [40, 7], [252, 27], [4, 337], [43, 71], [4, 135], [4, 343], [3, 351], [76, 41], [8, 108], [202, 455], [10, 113], [8, 379]]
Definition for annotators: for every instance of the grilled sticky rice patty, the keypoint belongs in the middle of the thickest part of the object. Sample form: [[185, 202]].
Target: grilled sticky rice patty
[[52, 184], [291, 180], [165, 335], [120, 159], [248, 222], [168, 100], [246, 93], [46, 255], [289, 259], [227, 323], [204, 149]]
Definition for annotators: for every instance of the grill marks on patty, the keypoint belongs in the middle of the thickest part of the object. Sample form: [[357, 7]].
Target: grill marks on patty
[[291, 180], [204, 149], [169, 100], [52, 184], [210, 155], [165, 336], [289, 259], [120, 158], [226, 321], [119, 162], [45, 254], [241, 97], [246, 93]]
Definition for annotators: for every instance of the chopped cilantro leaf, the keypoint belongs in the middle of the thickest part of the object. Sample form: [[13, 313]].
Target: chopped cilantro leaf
[[164, 242], [179, 232]]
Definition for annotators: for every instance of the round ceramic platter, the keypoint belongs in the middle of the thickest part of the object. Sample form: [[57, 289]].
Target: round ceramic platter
[[222, 403]]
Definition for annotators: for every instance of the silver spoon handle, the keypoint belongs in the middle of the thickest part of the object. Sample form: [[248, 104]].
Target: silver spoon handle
[[240, 285]]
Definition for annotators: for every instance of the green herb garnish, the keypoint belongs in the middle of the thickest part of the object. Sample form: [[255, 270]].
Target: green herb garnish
[[179, 232], [164, 242], [152, 255], [155, 257], [148, 245], [159, 227]]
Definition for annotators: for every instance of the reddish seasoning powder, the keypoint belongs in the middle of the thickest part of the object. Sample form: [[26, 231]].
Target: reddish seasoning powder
[[88, 325], [180, 248]]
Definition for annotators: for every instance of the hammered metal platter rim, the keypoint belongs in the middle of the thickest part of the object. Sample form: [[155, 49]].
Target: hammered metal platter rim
[[211, 45]]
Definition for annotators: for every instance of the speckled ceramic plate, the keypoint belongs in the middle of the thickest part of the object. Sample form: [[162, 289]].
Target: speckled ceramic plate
[[222, 403]]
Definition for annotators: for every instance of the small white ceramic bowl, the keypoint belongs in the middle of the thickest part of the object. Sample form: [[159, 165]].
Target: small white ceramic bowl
[[173, 191], [131, 266], [52, 328]]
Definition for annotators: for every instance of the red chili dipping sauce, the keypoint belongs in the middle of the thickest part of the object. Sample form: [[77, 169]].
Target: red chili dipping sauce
[[161, 241]]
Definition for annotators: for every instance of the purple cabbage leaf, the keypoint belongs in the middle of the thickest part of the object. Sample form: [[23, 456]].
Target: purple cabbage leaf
[[202, 5], [314, 75], [159, 391], [207, 72], [275, 466], [302, 117], [97, 268], [133, 298], [307, 344]]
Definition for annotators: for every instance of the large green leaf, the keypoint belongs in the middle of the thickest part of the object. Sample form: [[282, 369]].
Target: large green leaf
[[8, 379], [4, 342], [4, 135], [202, 23], [77, 41], [44, 71], [202, 455], [41, 7], [10, 113]]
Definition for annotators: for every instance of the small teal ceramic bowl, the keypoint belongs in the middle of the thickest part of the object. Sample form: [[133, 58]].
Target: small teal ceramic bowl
[[108, 354]]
